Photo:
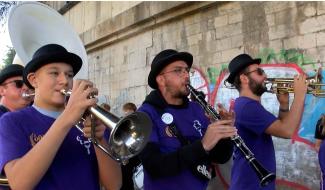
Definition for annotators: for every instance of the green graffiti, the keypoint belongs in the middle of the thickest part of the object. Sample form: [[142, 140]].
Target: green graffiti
[[214, 73], [297, 56]]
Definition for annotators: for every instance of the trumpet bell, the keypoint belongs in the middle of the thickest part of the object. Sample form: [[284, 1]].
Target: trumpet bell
[[128, 136], [131, 135]]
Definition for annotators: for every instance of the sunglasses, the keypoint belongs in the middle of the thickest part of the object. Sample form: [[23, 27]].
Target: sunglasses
[[18, 83], [259, 71]]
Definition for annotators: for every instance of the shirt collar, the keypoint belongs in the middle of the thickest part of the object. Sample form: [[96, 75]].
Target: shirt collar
[[53, 114]]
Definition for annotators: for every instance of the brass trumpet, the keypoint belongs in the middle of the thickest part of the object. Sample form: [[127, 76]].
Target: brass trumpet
[[4, 181], [128, 135], [284, 85]]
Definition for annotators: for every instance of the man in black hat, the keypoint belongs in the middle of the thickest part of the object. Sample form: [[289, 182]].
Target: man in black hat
[[256, 125], [183, 142], [39, 146], [11, 89]]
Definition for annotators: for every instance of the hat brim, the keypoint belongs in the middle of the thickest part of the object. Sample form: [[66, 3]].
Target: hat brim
[[232, 75], [69, 58], [16, 70], [181, 56]]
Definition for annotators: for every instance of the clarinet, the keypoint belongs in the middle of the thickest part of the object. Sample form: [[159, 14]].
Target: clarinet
[[263, 174]]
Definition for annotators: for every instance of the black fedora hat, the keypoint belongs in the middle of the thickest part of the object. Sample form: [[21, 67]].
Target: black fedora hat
[[163, 59], [51, 53], [239, 63], [11, 70]]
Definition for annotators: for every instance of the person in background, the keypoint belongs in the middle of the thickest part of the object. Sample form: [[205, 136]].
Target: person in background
[[106, 106], [12, 88], [319, 132], [129, 108], [183, 143], [320, 148], [255, 124], [319, 136], [39, 146], [131, 167]]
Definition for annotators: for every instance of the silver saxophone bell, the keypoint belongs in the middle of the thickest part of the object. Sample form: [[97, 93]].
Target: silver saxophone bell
[[128, 136]]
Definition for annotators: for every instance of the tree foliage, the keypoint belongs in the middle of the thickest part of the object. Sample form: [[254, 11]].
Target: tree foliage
[[10, 55], [4, 10]]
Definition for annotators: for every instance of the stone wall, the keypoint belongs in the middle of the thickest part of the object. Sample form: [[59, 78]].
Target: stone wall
[[122, 38]]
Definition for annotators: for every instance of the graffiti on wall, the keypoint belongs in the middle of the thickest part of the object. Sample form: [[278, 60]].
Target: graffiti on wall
[[297, 56], [213, 74], [283, 64], [199, 82]]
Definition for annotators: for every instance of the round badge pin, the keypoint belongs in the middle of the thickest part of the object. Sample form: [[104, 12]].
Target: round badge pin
[[167, 118]]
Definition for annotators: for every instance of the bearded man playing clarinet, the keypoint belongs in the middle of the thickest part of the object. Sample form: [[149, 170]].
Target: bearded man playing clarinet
[[183, 142], [255, 124]]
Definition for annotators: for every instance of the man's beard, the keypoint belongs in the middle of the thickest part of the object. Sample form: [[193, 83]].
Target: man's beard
[[178, 93], [257, 88]]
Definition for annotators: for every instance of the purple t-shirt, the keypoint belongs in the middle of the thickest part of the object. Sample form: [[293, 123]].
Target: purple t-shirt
[[75, 164], [251, 121], [192, 124], [321, 159]]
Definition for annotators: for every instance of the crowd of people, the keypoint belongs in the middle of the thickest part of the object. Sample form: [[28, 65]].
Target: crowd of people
[[41, 149]]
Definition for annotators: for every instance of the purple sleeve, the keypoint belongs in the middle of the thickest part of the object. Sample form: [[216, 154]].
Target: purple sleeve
[[321, 159], [153, 115], [13, 142], [255, 118]]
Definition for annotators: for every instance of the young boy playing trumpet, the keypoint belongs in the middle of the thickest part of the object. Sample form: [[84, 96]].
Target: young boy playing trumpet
[[39, 147]]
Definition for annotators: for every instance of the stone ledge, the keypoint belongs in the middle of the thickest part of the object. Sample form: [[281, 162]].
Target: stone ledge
[[143, 16]]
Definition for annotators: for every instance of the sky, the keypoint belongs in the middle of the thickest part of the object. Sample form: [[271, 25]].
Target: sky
[[4, 42]]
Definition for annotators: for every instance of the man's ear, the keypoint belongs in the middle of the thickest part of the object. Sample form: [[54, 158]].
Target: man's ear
[[2, 90], [243, 79], [32, 79], [160, 80]]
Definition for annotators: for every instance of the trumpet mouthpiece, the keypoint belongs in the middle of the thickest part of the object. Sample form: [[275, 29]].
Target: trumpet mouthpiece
[[27, 95], [66, 92]]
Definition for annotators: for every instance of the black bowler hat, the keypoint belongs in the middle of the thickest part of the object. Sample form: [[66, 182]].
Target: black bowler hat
[[163, 59], [51, 53], [11, 71], [239, 63]]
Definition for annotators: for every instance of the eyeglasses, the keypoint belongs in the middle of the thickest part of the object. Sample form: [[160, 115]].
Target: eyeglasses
[[180, 70], [18, 83], [258, 70]]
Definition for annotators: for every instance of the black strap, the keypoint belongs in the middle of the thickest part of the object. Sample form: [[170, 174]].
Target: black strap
[[172, 128]]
